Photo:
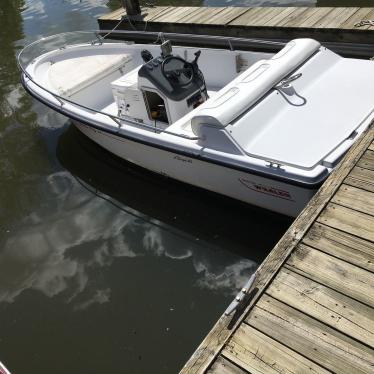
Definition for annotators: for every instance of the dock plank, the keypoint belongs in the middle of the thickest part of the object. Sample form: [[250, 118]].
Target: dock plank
[[351, 249], [361, 14], [174, 14], [250, 16], [333, 273], [257, 353], [287, 15], [280, 15], [361, 178], [355, 198], [348, 220], [223, 366], [226, 16], [324, 304], [340, 18], [150, 14], [215, 341], [202, 16], [311, 338], [328, 19], [367, 160], [297, 16]]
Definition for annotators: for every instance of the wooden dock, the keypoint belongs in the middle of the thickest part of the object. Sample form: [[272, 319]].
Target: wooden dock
[[325, 24], [312, 304]]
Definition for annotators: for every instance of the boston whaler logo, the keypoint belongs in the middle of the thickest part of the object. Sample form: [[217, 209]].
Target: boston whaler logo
[[268, 190]]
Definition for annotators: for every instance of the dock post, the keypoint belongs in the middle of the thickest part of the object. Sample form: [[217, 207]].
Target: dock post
[[132, 7]]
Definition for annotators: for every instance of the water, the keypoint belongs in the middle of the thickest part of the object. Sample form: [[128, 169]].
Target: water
[[104, 267]]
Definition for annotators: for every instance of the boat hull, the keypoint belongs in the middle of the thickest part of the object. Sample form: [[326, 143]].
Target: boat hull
[[253, 189]]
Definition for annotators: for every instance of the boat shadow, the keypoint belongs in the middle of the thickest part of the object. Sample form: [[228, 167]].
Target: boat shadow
[[218, 221]]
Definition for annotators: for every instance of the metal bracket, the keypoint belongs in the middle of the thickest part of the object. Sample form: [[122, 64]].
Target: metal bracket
[[241, 295]]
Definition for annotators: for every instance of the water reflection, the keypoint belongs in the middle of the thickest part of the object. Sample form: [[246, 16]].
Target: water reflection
[[45, 252], [103, 264]]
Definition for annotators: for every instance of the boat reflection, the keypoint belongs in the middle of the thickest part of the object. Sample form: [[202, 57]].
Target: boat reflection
[[103, 208]]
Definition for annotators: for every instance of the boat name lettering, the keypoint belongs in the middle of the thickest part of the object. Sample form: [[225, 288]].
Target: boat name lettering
[[268, 190], [179, 158]]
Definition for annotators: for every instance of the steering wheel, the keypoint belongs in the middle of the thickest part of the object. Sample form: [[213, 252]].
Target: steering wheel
[[177, 70]]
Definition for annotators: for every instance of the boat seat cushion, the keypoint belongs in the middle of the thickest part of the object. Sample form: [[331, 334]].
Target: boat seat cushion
[[250, 86], [67, 77]]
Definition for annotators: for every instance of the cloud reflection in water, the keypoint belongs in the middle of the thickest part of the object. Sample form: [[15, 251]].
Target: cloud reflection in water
[[56, 248]]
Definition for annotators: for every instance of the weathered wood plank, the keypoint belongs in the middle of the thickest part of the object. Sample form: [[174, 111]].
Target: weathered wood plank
[[150, 14], [348, 220], [337, 243], [371, 147], [248, 17], [356, 17], [361, 178], [281, 16], [216, 339], [223, 366], [324, 304], [369, 16], [257, 353], [174, 14], [202, 16], [311, 338], [339, 275], [295, 18], [226, 16], [340, 18], [317, 16], [355, 198], [367, 160], [329, 18], [261, 19]]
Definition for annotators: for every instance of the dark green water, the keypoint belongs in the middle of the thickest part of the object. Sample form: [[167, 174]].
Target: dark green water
[[104, 267]]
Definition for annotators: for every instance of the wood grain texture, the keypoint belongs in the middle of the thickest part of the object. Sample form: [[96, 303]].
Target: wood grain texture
[[332, 272], [252, 15], [297, 17], [348, 220], [339, 18], [325, 305], [355, 198], [226, 16], [361, 178], [337, 243], [202, 16], [219, 335], [280, 15], [311, 338], [257, 353], [317, 16], [356, 17], [223, 366], [367, 160]]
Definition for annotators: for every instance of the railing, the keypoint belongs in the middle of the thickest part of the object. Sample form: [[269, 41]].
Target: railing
[[62, 41]]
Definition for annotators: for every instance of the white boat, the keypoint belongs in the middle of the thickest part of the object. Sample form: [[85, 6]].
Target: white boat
[[263, 128]]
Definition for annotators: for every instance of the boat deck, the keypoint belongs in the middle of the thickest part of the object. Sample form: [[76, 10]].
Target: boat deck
[[326, 24], [311, 308]]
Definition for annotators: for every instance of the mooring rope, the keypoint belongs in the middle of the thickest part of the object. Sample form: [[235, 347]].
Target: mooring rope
[[365, 22]]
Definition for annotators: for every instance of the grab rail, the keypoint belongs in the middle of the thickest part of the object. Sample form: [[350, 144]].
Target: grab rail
[[62, 100]]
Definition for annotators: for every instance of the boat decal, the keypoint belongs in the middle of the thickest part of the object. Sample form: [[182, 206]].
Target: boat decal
[[183, 159], [3, 369], [267, 190]]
